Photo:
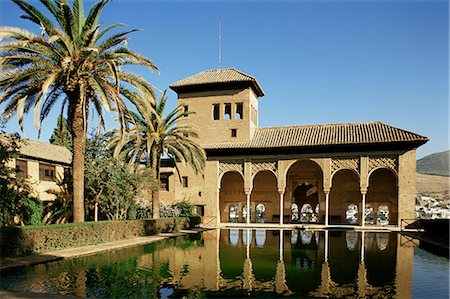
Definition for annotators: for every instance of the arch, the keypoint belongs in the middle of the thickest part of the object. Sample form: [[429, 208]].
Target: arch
[[383, 215], [295, 215], [260, 213], [383, 191], [393, 171], [369, 215], [351, 214], [306, 213], [222, 174], [262, 170], [265, 192], [342, 169], [231, 193], [234, 213], [292, 163], [345, 191], [304, 184]]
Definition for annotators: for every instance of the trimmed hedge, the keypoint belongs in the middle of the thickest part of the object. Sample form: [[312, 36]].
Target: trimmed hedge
[[26, 240]]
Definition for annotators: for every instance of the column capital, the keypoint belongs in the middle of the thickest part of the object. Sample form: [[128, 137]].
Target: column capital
[[326, 190], [281, 190], [247, 191], [363, 191]]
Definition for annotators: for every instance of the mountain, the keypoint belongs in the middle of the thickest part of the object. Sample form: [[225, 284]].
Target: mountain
[[436, 164]]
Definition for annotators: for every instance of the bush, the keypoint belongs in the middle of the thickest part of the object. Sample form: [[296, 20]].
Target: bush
[[16, 241], [186, 208]]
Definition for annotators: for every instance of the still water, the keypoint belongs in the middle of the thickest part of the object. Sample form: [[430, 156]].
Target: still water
[[248, 263]]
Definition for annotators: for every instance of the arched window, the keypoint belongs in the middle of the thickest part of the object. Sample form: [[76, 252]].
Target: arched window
[[351, 214], [383, 215], [260, 213], [294, 212], [234, 213], [368, 214], [306, 213]]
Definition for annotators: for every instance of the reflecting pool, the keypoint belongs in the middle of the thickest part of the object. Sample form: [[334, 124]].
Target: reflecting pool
[[246, 262]]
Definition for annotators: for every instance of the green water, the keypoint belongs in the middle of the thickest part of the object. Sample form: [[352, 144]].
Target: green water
[[222, 263]]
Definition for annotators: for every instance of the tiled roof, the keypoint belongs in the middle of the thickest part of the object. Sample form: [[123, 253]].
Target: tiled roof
[[46, 151], [42, 151], [324, 135], [219, 76]]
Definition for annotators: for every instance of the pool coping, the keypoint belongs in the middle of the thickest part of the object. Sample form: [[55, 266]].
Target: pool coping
[[13, 262]]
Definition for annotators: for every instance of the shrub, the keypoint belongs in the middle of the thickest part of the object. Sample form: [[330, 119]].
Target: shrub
[[186, 208], [16, 241]]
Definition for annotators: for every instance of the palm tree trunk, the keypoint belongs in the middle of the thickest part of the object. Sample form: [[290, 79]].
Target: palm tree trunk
[[155, 191], [78, 129]]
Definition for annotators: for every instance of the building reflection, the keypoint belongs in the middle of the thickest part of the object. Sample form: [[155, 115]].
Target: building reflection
[[311, 263]]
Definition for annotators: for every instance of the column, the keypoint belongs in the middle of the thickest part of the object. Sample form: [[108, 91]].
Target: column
[[363, 208], [281, 191], [247, 219], [218, 206], [327, 205]]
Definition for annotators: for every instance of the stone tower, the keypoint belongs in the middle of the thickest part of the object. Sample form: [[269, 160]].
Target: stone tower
[[225, 102]]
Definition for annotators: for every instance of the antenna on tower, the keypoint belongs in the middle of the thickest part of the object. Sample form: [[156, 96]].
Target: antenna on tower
[[220, 42]]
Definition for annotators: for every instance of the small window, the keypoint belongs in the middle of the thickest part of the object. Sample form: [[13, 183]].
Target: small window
[[185, 181], [216, 111], [227, 112], [200, 210], [46, 172], [164, 183], [233, 132], [186, 109], [21, 167], [239, 111]]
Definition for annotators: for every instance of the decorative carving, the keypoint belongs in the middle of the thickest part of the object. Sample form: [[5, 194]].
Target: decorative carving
[[348, 163], [387, 161], [258, 165], [231, 165]]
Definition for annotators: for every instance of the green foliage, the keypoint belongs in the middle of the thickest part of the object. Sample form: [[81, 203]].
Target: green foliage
[[61, 134], [111, 183], [15, 241], [186, 208], [17, 205], [435, 164]]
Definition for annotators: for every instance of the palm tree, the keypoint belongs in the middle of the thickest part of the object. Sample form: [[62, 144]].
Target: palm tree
[[71, 63], [150, 134]]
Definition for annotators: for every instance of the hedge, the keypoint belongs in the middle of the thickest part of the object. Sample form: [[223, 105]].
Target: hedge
[[26, 240]]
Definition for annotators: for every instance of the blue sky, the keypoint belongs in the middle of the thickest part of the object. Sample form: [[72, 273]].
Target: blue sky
[[317, 61]]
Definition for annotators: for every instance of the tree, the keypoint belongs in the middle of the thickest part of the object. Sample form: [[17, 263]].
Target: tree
[[150, 134], [110, 184], [71, 63], [61, 134]]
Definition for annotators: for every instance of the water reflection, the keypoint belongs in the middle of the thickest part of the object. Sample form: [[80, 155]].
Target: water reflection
[[235, 263]]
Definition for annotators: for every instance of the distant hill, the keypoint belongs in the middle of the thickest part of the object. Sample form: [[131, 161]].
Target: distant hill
[[436, 164]]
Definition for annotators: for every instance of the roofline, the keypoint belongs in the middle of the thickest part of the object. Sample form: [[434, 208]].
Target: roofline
[[328, 148]]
